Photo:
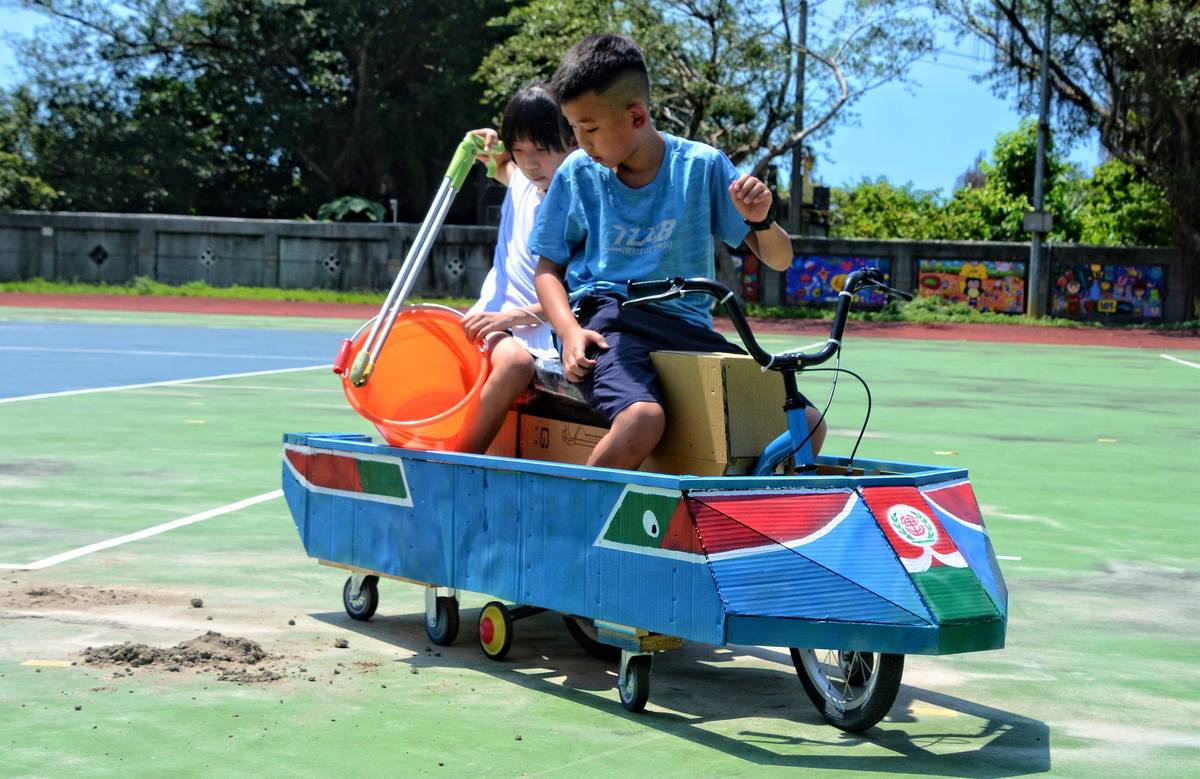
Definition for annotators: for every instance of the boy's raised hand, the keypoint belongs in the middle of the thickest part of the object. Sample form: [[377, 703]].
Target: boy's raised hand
[[751, 198], [575, 347]]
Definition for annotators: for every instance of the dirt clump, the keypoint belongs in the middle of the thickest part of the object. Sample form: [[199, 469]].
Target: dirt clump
[[232, 659]]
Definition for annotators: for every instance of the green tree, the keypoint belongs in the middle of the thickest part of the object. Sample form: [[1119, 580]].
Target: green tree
[[879, 209], [987, 213], [722, 71], [1117, 207], [20, 185], [253, 107], [1124, 68]]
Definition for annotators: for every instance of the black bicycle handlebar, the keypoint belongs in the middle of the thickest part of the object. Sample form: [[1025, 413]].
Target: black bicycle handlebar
[[642, 292]]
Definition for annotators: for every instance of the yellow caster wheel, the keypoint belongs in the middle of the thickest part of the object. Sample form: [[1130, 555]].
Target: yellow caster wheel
[[495, 630]]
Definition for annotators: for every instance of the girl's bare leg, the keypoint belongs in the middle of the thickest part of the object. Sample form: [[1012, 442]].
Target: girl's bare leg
[[512, 370]]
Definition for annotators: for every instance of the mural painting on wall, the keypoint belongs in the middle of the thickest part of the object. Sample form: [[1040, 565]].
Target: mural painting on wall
[[750, 276], [984, 285], [1092, 290], [818, 279]]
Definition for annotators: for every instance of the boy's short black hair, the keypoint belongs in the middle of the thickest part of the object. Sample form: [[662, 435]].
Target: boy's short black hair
[[598, 62], [533, 116]]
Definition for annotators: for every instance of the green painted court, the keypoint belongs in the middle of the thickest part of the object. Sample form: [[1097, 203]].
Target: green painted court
[[1083, 460]]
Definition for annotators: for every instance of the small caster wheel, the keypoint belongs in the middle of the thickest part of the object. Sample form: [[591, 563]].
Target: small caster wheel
[[634, 683], [495, 630], [442, 625], [361, 605]]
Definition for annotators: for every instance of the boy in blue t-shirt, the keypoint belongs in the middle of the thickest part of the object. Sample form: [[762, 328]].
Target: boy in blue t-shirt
[[635, 204]]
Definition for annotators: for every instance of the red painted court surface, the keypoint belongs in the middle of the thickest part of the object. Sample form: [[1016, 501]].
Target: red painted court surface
[[1029, 334]]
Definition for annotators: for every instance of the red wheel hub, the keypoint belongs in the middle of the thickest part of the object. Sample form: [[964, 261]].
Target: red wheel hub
[[487, 631]]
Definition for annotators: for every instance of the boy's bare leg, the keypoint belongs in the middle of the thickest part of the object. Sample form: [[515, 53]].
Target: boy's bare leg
[[512, 370], [635, 432]]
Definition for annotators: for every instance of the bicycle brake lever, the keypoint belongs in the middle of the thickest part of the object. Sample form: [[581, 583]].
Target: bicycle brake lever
[[671, 294], [889, 292], [892, 292]]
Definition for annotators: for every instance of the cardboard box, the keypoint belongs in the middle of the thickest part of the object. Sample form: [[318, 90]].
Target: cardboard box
[[722, 410], [556, 440]]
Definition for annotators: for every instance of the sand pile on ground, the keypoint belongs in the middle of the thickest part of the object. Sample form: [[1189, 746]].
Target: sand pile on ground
[[232, 659], [66, 597]]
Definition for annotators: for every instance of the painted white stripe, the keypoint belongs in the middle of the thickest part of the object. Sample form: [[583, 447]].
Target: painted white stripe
[[1181, 362], [1007, 557], [172, 382], [147, 533], [148, 352]]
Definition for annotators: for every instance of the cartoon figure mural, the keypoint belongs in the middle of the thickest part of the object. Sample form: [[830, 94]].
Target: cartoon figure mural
[[1094, 291], [819, 279], [750, 274], [984, 285]]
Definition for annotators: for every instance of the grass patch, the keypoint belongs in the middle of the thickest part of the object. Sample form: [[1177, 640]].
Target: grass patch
[[144, 286]]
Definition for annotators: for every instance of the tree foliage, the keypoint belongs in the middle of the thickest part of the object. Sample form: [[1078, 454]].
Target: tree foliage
[[249, 107], [20, 184], [1114, 207], [722, 71], [1129, 69]]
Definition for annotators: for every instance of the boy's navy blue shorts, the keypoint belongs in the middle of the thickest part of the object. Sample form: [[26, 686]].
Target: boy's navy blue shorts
[[623, 373]]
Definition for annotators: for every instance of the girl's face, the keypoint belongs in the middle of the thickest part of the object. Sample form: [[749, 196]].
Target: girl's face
[[537, 162]]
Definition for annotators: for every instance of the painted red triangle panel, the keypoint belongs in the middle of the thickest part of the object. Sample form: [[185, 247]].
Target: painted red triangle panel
[[738, 521], [959, 500]]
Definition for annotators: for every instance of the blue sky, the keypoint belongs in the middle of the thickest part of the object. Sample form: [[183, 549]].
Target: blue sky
[[927, 136]]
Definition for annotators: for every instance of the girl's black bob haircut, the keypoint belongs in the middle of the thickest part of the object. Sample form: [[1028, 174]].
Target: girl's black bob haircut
[[533, 116]]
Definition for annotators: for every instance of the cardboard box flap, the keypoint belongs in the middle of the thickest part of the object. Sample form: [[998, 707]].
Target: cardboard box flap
[[754, 406], [694, 398]]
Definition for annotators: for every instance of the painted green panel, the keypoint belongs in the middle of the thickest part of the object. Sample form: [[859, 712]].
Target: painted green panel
[[955, 594], [642, 519], [382, 479]]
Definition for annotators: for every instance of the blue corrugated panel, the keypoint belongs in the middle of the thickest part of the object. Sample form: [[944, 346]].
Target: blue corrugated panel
[[486, 530], [858, 551], [553, 554], [784, 584]]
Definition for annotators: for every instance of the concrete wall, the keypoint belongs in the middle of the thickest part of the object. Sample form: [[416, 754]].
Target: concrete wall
[[113, 248]]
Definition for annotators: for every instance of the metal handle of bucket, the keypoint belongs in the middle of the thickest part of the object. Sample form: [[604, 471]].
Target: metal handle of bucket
[[456, 174]]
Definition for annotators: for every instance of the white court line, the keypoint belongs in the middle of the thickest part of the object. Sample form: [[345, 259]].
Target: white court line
[[139, 535], [1181, 362], [1007, 557], [66, 393], [147, 352]]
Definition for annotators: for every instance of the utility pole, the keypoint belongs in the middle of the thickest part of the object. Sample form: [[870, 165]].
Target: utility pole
[[796, 205], [1038, 222]]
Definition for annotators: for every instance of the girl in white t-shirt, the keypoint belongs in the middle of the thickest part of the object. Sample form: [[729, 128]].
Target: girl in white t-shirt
[[507, 315]]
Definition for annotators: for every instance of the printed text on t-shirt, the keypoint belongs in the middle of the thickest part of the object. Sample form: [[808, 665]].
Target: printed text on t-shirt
[[636, 240]]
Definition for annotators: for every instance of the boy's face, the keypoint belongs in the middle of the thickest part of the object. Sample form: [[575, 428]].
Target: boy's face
[[605, 130], [537, 162]]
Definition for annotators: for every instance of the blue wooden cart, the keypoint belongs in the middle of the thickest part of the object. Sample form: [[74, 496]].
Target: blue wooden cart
[[869, 560]]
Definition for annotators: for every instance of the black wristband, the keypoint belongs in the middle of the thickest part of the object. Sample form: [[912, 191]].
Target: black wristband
[[760, 226]]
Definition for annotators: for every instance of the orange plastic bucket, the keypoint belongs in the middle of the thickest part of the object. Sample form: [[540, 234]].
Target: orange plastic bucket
[[424, 390]]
